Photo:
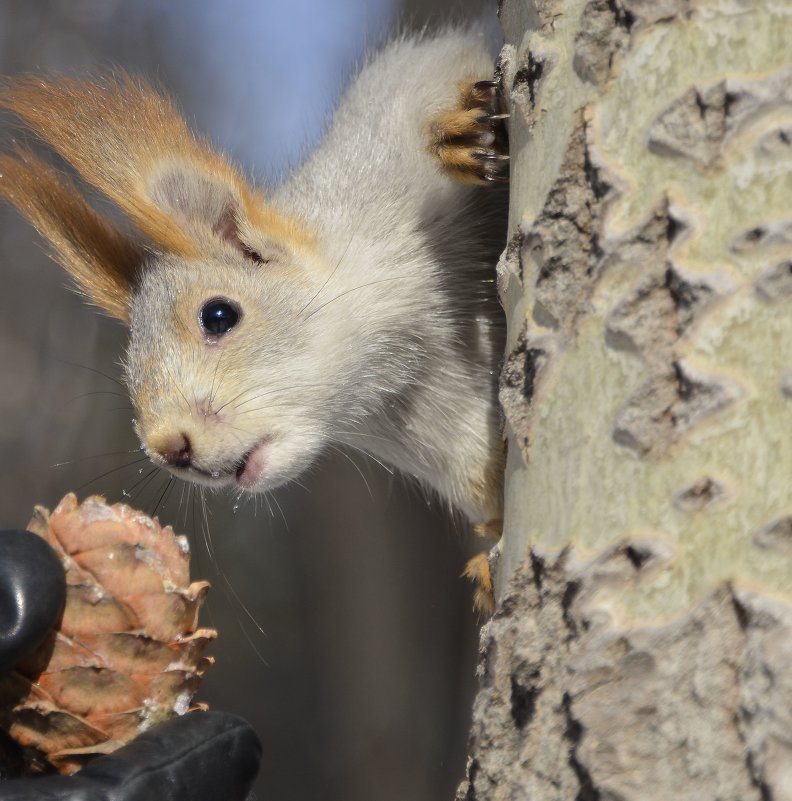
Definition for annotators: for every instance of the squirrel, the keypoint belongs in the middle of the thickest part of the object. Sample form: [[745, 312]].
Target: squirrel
[[354, 303]]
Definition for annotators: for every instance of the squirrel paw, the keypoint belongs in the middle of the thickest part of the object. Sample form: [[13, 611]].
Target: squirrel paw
[[470, 140], [478, 568], [478, 571]]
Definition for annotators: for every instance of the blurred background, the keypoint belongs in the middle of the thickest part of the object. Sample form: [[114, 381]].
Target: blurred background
[[346, 635]]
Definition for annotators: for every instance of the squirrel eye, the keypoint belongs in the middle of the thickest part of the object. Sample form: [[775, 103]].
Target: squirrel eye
[[218, 316]]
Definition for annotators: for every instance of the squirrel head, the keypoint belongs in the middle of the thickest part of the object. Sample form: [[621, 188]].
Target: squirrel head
[[215, 285]]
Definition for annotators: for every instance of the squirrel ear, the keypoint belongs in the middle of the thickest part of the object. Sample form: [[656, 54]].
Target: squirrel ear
[[192, 195], [198, 200], [131, 143], [201, 202], [102, 261]]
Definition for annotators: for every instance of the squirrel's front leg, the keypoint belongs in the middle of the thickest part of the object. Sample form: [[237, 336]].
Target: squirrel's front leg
[[470, 144], [469, 141]]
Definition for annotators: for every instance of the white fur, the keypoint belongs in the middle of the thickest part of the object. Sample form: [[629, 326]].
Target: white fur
[[384, 337]]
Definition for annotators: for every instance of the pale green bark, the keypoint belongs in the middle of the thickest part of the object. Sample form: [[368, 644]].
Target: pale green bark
[[577, 483], [646, 564]]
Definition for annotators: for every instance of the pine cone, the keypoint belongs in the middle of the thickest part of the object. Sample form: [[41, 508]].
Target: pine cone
[[127, 653]]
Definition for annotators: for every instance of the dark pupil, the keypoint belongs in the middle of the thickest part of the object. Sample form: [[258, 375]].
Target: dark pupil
[[218, 317]]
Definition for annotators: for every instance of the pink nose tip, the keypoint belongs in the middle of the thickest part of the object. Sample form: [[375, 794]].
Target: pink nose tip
[[176, 450]]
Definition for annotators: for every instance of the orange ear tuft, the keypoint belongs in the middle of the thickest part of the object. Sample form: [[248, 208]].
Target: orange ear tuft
[[130, 142], [101, 260], [114, 133]]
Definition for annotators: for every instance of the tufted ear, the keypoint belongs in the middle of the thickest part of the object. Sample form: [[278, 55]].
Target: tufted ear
[[129, 141], [203, 203], [97, 255]]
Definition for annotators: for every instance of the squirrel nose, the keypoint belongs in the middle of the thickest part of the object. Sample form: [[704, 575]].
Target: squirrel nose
[[176, 450]]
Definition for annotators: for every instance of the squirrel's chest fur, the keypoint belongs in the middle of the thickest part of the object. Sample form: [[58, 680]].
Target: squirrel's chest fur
[[386, 212]]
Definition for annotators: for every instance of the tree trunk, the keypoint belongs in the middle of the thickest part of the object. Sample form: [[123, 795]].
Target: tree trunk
[[642, 646]]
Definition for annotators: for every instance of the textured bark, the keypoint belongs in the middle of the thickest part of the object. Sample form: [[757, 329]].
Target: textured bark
[[641, 647]]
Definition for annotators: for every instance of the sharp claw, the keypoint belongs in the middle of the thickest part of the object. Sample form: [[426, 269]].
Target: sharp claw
[[487, 119], [485, 85], [489, 155], [496, 179]]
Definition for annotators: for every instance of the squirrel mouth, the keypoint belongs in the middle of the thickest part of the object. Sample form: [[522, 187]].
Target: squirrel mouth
[[252, 465]]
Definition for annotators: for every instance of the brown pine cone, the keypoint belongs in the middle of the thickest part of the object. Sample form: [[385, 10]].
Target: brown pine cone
[[127, 653]]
